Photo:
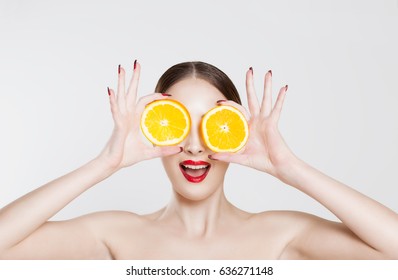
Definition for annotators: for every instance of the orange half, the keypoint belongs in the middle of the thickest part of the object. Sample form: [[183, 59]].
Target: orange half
[[224, 129], [165, 122]]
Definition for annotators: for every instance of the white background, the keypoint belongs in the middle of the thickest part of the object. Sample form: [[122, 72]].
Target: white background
[[339, 59]]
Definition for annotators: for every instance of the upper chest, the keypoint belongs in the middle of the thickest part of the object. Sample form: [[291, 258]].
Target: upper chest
[[152, 242]]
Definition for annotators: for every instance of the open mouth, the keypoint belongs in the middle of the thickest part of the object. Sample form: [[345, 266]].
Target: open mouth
[[195, 171]]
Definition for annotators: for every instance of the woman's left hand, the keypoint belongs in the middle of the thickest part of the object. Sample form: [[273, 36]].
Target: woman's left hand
[[265, 150]]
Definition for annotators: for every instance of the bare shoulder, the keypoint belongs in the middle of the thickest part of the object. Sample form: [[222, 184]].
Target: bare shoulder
[[299, 223], [287, 224], [108, 220], [286, 218], [296, 223], [303, 236], [283, 228], [83, 237]]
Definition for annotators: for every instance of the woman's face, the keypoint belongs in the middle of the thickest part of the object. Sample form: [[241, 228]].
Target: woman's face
[[192, 174]]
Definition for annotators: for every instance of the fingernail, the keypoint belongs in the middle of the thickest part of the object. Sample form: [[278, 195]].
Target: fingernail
[[118, 69], [222, 100], [109, 91], [270, 71], [211, 157], [135, 64], [286, 87], [166, 94], [251, 69]]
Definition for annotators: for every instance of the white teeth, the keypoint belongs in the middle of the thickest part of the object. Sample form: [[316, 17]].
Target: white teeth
[[195, 166]]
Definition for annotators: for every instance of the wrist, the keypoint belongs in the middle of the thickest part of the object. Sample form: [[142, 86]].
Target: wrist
[[289, 171], [105, 165]]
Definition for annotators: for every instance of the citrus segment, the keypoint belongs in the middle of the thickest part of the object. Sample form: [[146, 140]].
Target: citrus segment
[[165, 122], [224, 129]]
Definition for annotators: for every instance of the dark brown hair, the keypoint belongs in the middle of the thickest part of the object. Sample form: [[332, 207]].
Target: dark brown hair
[[200, 70]]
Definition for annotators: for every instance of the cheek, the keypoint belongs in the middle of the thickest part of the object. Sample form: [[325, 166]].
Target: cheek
[[172, 168], [219, 169], [167, 165]]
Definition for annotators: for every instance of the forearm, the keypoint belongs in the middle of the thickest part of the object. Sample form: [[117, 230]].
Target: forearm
[[23, 216], [371, 221]]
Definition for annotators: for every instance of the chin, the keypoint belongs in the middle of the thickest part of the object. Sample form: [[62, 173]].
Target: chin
[[197, 192]]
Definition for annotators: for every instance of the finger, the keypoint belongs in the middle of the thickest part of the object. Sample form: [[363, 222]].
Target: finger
[[133, 87], [279, 102], [252, 99], [235, 105], [163, 151], [266, 105], [121, 94], [113, 104], [228, 157]]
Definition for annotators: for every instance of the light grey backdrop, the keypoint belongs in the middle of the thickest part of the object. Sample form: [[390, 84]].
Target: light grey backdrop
[[339, 59]]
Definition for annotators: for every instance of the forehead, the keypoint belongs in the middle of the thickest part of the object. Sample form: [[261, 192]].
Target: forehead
[[197, 95]]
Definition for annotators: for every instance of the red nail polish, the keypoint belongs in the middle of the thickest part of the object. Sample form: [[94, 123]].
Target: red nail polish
[[166, 94], [109, 91], [286, 87], [135, 64], [251, 69], [118, 69], [270, 71]]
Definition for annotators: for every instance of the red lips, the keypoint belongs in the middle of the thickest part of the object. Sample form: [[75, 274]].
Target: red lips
[[195, 171]]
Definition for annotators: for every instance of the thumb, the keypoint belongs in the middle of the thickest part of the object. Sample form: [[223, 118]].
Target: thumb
[[227, 157]]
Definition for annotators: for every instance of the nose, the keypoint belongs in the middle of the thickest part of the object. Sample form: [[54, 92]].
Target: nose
[[193, 143]]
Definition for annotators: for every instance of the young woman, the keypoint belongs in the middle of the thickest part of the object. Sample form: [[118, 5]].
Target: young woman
[[199, 222]]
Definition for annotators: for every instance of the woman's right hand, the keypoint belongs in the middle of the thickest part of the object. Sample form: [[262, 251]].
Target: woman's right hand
[[125, 147]]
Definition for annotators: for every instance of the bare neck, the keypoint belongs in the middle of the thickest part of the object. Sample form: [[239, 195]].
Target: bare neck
[[199, 219]]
